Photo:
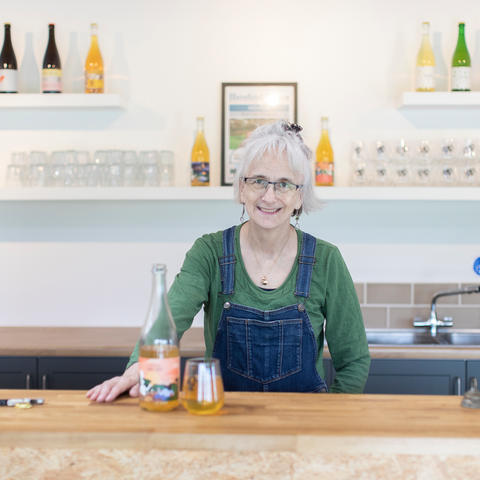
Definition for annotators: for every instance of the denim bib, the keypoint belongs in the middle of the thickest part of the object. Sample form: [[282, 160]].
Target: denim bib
[[267, 351]]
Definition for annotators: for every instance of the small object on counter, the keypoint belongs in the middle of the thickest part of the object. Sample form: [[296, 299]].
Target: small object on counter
[[200, 164], [471, 399], [324, 165], [13, 402]]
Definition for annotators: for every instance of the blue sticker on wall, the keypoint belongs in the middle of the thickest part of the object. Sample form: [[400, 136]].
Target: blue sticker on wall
[[476, 266]]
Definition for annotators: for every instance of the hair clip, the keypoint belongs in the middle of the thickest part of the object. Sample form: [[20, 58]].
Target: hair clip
[[292, 127]]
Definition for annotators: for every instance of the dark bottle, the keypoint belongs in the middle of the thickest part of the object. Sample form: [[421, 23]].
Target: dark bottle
[[51, 68], [8, 65]]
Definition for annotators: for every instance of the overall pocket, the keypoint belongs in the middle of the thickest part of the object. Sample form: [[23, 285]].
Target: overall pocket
[[264, 351]]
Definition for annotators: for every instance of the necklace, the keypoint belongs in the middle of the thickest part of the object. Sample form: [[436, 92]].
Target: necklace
[[263, 278]]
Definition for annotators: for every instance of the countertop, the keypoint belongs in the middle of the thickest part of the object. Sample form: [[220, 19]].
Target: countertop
[[119, 341], [264, 436]]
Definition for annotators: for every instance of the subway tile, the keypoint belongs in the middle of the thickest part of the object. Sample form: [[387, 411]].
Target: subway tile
[[402, 317], [388, 293], [374, 317], [470, 299], [463, 317], [423, 293], [359, 288]]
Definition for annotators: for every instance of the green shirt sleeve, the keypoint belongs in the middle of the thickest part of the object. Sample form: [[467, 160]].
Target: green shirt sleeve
[[189, 290], [344, 330]]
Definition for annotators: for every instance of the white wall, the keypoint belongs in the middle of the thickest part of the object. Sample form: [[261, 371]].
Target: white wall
[[88, 264]]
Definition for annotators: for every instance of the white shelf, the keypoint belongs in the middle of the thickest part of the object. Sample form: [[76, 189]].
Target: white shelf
[[226, 194], [441, 99], [60, 100]]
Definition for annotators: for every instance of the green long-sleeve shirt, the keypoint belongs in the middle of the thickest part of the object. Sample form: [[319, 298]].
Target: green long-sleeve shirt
[[332, 306]]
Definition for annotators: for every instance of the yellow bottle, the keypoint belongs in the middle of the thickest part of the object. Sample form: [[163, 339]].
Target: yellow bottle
[[324, 166], [200, 158], [425, 75], [94, 65]]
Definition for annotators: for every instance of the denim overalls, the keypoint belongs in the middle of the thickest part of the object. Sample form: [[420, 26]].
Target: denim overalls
[[267, 351]]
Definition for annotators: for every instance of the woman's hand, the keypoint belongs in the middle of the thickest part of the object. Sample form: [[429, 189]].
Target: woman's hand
[[110, 389]]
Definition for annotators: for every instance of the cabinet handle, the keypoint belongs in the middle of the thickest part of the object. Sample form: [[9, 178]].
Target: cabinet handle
[[458, 385], [27, 381], [44, 381]]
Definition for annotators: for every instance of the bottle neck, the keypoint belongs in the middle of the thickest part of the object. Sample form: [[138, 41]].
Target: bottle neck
[[461, 35], [324, 126], [7, 38], [51, 34], [200, 125]]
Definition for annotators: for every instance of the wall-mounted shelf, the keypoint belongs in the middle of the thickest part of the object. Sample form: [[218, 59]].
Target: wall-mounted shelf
[[61, 100], [226, 193], [440, 99]]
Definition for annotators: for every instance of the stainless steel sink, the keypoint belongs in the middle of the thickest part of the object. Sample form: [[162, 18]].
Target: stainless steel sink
[[423, 337]]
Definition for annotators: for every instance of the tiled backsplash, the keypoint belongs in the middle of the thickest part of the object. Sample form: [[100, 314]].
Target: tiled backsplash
[[394, 305]]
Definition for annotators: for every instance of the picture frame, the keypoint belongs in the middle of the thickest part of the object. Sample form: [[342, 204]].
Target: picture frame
[[245, 106]]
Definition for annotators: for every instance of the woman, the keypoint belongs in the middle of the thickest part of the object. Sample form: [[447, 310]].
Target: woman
[[270, 291]]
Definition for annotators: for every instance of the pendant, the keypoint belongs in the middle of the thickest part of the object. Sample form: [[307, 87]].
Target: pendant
[[264, 281]]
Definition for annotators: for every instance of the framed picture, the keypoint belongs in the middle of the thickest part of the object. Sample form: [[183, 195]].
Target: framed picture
[[245, 106]]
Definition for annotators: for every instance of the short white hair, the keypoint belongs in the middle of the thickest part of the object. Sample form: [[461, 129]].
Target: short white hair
[[279, 138]]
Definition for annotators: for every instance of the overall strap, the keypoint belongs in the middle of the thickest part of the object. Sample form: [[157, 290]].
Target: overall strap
[[227, 262], [305, 265]]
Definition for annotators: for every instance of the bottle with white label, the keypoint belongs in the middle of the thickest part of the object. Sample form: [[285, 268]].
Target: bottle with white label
[[425, 77], [51, 68], [8, 65], [461, 66]]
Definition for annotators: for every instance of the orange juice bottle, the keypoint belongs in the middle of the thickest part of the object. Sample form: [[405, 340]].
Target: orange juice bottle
[[159, 358], [324, 166], [200, 158], [94, 64]]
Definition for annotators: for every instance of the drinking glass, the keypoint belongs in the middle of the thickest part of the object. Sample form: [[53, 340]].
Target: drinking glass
[[17, 170], [202, 392], [56, 172], [468, 165], [83, 165], [114, 169], [95, 169], [381, 166], [38, 169], [401, 164], [359, 164], [448, 164], [130, 168], [422, 164], [166, 168], [149, 168]]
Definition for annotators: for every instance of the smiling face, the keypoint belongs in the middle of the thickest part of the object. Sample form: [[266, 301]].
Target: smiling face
[[267, 208]]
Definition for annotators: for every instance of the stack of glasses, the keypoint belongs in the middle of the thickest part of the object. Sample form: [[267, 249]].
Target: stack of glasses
[[418, 163], [105, 168]]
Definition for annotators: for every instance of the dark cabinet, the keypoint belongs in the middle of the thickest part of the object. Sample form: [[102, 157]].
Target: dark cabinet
[[77, 373], [423, 377], [18, 372], [473, 370]]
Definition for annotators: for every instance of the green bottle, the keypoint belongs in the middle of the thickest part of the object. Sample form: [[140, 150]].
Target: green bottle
[[461, 63]]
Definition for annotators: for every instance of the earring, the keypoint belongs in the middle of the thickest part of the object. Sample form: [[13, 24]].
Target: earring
[[297, 218], [242, 216]]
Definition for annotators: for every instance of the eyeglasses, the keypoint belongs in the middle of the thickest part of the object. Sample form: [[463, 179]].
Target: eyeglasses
[[282, 187]]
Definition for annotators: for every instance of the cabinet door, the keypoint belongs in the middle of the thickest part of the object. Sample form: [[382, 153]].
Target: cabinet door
[[18, 372], [473, 370], [423, 377], [78, 373]]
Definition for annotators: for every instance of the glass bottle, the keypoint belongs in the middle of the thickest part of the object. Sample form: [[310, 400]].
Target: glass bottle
[[94, 64], [159, 358], [8, 65], [425, 78], [51, 67], [461, 66], [200, 158], [324, 166]]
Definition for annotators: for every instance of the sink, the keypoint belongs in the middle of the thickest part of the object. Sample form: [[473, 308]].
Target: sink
[[423, 337]]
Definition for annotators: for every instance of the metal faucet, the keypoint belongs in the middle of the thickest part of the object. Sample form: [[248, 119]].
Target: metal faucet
[[433, 322]]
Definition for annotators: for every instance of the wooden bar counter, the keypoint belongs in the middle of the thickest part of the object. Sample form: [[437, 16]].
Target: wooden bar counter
[[255, 436]]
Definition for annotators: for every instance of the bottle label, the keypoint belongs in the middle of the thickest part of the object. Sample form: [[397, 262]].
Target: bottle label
[[425, 78], [200, 173], [159, 378], [94, 82], [323, 173], [461, 78], [51, 80], [8, 80]]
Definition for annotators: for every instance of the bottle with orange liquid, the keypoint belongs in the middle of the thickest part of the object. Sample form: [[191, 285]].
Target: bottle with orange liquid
[[324, 166], [200, 158], [94, 64], [159, 358]]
